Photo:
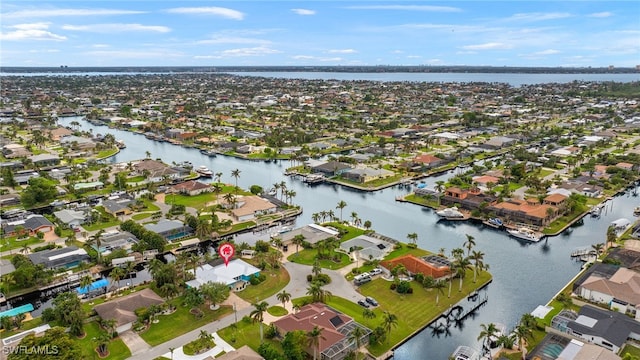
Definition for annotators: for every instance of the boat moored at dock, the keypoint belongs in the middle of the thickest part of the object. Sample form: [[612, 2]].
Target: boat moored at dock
[[465, 353], [525, 234], [204, 171], [451, 213]]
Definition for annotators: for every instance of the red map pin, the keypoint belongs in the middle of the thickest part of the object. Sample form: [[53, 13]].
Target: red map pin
[[226, 252]]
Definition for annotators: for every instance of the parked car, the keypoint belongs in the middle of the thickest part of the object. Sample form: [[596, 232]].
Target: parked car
[[363, 303], [375, 271], [371, 301]]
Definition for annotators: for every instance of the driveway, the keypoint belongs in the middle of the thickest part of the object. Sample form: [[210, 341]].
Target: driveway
[[134, 342]]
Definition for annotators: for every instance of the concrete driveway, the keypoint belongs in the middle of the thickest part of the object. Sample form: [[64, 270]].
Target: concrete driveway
[[134, 342]]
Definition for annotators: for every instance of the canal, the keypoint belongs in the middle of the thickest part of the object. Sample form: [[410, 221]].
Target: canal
[[525, 274]]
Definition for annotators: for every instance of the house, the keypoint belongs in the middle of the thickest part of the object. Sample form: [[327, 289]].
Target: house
[[367, 247], [88, 186], [119, 206], [529, 212], [484, 181], [427, 161], [435, 266], [331, 168], [115, 239], [66, 257], [498, 142], [12, 151], [335, 343], [122, 310], [70, 217], [312, 234], [43, 160], [156, 171], [32, 223], [237, 274], [170, 229], [602, 327], [77, 142], [9, 199], [620, 292], [191, 188], [248, 207], [569, 349], [58, 133], [470, 199], [366, 174], [242, 353]]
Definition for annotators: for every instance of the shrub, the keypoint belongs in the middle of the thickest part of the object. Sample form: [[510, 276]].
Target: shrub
[[257, 279], [262, 246], [404, 287], [309, 278], [271, 331], [324, 279], [269, 352], [392, 286], [412, 246], [247, 319]]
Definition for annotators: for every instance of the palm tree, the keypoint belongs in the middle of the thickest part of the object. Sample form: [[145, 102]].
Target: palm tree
[[341, 205], [317, 293], [316, 269], [258, 314], [218, 177], [462, 264], [523, 332], [389, 321], [96, 239], [236, 174], [283, 297], [469, 244], [413, 237], [598, 248], [356, 334], [611, 236], [85, 282], [313, 338], [117, 274], [487, 332], [368, 314], [439, 287], [298, 240], [478, 264]]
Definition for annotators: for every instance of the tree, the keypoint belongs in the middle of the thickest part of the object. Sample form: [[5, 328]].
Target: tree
[[313, 340], [439, 287], [203, 229], [389, 321], [486, 333], [85, 282], [54, 338], [68, 312], [462, 264], [236, 174], [523, 332], [258, 314], [317, 293], [368, 314], [102, 341], [611, 237], [215, 293], [97, 240], [356, 334], [117, 274], [341, 205], [293, 345], [283, 297], [413, 237], [469, 244], [298, 240], [478, 264], [39, 191], [193, 297]]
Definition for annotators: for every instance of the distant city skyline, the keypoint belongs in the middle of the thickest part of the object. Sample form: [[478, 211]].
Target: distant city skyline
[[325, 33]]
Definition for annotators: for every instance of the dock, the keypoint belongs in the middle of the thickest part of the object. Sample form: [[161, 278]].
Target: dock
[[582, 252]]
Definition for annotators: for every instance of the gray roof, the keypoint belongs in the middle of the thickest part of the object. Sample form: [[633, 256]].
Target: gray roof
[[31, 222], [6, 267], [58, 257], [68, 216], [117, 205], [612, 326], [44, 157], [164, 226], [312, 234], [377, 248]]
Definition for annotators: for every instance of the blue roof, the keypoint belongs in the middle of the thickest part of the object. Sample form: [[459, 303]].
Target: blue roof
[[95, 286], [18, 310]]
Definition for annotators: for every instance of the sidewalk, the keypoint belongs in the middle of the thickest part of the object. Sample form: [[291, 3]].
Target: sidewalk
[[221, 345]]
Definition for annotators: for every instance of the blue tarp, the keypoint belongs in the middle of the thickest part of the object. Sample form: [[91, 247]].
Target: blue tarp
[[93, 287], [19, 310], [422, 185]]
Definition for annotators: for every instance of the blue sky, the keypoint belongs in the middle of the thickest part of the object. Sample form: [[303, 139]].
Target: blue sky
[[217, 33]]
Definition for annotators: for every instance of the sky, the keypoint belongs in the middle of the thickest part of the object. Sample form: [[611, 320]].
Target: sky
[[306, 33]]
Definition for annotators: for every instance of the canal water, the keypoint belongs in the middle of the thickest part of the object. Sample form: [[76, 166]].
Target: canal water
[[525, 274]]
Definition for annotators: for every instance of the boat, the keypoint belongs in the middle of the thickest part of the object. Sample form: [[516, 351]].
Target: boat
[[314, 178], [451, 213], [204, 171], [209, 153], [525, 234], [636, 211], [494, 223], [465, 353], [120, 144]]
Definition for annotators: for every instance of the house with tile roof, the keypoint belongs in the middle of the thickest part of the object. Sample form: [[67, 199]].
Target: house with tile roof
[[529, 212], [248, 207], [620, 291], [32, 223], [336, 329], [122, 310], [191, 187], [435, 266]]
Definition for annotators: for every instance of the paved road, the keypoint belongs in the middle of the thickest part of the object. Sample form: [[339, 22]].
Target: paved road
[[297, 287]]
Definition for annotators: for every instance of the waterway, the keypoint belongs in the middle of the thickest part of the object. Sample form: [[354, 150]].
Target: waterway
[[525, 274]]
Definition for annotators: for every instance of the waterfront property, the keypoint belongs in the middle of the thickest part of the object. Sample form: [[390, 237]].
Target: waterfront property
[[66, 257], [367, 247], [620, 291], [122, 310], [432, 265], [237, 274], [312, 233], [170, 230], [249, 207], [556, 346], [335, 342]]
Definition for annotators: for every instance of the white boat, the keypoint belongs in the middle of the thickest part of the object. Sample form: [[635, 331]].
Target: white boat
[[204, 171], [525, 234], [120, 144], [636, 211], [465, 353], [450, 213]]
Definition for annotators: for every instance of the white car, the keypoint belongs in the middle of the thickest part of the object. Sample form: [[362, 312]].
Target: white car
[[375, 271]]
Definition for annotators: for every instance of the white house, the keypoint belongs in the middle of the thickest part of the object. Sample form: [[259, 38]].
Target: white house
[[236, 274]]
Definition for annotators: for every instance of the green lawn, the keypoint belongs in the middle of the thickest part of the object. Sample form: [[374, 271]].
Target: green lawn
[[414, 311], [277, 310], [276, 281], [631, 350], [200, 201], [13, 243], [245, 333], [180, 322], [142, 216], [308, 257], [117, 348]]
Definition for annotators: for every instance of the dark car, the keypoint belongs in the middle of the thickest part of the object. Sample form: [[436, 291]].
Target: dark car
[[363, 303], [371, 301]]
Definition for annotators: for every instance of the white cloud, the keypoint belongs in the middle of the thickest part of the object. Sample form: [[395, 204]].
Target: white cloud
[[117, 28], [603, 14], [538, 16], [134, 54], [488, 46], [342, 51], [43, 12], [304, 11], [407, 8], [32, 31], [100, 46], [211, 10], [254, 51], [303, 57], [547, 52], [414, 56], [317, 58], [232, 40]]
